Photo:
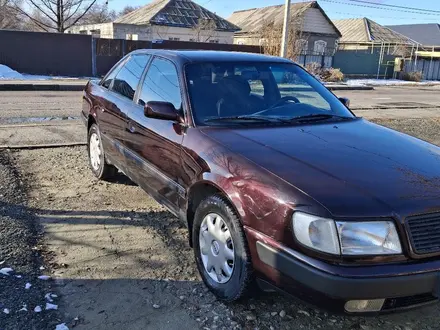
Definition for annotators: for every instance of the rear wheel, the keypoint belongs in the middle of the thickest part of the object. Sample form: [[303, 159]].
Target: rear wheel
[[97, 162], [221, 250]]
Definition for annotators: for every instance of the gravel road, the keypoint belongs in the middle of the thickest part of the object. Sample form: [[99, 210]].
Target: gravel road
[[118, 259], [127, 263], [19, 250]]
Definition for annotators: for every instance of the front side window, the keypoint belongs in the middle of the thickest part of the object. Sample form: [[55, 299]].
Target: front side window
[[251, 93], [108, 79], [128, 77], [161, 84]]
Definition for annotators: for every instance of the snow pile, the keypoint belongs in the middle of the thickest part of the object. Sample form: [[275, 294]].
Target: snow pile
[[389, 82], [7, 73]]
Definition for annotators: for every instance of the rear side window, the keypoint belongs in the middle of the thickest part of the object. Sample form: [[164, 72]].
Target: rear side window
[[161, 84], [127, 79]]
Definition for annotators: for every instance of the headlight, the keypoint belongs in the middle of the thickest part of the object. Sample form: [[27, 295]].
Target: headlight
[[374, 237], [346, 238]]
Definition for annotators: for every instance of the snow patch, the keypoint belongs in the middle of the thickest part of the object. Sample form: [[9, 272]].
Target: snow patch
[[27, 286], [7, 73], [389, 82], [49, 296], [51, 306], [37, 309], [6, 271], [24, 308], [44, 277], [61, 326], [6, 311], [18, 276]]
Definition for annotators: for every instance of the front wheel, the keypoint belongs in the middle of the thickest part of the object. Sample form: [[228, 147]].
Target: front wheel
[[221, 250], [98, 165]]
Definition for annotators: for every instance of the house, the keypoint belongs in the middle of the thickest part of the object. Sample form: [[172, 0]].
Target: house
[[428, 35], [364, 34], [428, 50], [178, 20], [317, 32], [368, 49]]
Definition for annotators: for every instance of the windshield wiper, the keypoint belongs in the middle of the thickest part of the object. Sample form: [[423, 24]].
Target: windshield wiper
[[248, 117], [318, 116]]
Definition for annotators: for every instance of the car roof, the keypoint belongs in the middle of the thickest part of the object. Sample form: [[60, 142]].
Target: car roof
[[211, 56]]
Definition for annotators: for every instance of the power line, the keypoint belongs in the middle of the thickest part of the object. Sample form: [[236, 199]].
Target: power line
[[395, 6], [388, 17], [382, 8]]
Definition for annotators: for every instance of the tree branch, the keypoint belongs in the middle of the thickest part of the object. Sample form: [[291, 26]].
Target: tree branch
[[45, 14], [82, 15], [40, 24]]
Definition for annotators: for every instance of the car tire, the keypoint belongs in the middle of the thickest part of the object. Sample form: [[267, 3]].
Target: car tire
[[238, 284], [97, 162]]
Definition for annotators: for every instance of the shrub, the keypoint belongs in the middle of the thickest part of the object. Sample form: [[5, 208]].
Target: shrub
[[314, 69], [412, 76], [332, 75], [325, 74]]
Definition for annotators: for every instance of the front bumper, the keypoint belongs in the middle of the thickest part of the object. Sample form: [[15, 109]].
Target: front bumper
[[331, 286], [348, 288]]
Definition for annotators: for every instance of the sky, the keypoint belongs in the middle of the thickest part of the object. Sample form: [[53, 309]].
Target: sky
[[335, 9]]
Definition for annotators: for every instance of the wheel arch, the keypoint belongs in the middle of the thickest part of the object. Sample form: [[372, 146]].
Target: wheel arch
[[197, 193]]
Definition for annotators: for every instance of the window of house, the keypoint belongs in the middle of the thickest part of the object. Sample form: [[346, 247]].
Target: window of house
[[131, 36], [214, 41], [192, 39], [161, 83], [302, 45], [96, 33], [83, 32], [174, 39], [128, 77], [320, 46]]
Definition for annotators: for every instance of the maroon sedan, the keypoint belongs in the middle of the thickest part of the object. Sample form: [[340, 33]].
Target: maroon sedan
[[278, 181]]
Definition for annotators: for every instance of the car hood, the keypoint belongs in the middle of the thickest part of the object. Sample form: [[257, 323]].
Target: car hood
[[354, 169]]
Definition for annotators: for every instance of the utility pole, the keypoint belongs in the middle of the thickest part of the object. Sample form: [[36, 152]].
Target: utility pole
[[285, 29]]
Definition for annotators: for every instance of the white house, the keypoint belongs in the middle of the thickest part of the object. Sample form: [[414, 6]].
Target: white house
[[179, 20]]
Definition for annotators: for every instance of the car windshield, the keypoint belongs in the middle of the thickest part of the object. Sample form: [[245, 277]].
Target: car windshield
[[224, 93]]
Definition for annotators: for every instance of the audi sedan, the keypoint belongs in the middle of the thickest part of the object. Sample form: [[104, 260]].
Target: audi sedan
[[279, 183]]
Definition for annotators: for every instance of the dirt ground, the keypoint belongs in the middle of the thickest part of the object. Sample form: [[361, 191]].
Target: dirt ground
[[121, 260], [117, 259]]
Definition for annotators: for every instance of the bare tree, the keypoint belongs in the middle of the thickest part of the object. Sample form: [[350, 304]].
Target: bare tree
[[59, 15], [9, 18], [127, 9], [205, 30], [99, 13], [271, 33]]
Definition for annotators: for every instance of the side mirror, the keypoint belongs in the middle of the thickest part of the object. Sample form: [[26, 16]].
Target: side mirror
[[162, 110], [345, 101]]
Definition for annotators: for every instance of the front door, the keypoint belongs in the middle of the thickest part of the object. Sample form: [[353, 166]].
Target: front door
[[154, 144], [113, 114]]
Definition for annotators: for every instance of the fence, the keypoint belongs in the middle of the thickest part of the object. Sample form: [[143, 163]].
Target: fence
[[364, 63], [109, 51], [430, 68], [80, 55], [46, 53]]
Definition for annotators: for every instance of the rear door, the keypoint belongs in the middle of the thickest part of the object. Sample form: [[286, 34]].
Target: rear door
[[113, 113], [155, 144]]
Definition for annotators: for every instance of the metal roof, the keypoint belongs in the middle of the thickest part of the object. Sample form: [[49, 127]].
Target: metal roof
[[252, 20], [425, 34], [179, 13], [364, 30]]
